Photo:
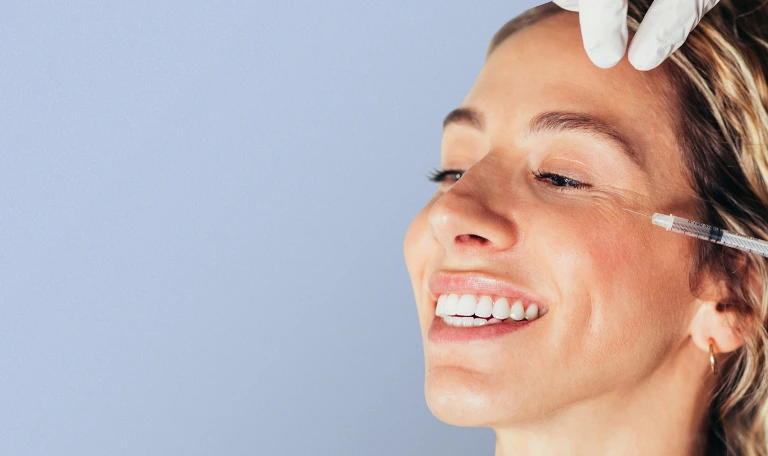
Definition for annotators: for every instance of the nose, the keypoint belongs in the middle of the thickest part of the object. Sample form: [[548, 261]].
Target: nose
[[474, 214]]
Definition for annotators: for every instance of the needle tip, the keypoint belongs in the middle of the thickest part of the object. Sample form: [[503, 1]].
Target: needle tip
[[638, 213]]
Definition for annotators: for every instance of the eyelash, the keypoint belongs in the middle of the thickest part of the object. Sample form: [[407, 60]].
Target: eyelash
[[438, 176], [563, 180]]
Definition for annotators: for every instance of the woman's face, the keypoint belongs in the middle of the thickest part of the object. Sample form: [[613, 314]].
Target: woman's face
[[553, 150]]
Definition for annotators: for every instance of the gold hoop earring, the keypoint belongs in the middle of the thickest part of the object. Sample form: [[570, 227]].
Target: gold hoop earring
[[712, 360]]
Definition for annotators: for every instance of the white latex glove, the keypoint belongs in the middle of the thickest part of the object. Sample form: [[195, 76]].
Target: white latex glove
[[662, 31]]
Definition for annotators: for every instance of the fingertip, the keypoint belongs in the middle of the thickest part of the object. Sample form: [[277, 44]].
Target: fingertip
[[570, 5], [604, 31], [664, 29], [646, 56], [607, 54], [604, 62]]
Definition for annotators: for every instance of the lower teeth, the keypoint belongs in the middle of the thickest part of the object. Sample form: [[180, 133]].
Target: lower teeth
[[467, 322]]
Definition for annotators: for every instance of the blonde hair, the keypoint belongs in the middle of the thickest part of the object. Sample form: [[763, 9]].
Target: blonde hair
[[720, 78]]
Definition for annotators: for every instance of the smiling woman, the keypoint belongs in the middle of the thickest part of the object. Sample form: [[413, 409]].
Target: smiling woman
[[544, 312]]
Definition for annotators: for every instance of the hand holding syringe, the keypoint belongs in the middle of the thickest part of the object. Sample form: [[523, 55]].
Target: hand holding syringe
[[708, 233]]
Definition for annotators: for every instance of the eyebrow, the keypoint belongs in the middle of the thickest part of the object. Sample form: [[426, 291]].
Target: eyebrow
[[560, 121], [554, 122], [466, 116]]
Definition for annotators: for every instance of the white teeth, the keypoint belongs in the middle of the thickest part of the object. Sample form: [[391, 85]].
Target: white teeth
[[501, 309], [451, 302], [459, 310], [532, 312], [484, 307], [517, 312], [466, 305], [440, 310]]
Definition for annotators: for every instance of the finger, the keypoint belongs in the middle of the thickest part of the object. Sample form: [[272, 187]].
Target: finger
[[604, 30], [570, 5], [664, 29]]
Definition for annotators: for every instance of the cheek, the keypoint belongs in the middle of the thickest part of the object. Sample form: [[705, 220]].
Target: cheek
[[620, 290], [611, 250], [418, 242], [419, 248], [610, 255], [639, 264], [589, 251]]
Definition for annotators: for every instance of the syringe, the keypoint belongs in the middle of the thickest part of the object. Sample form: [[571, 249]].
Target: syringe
[[708, 233]]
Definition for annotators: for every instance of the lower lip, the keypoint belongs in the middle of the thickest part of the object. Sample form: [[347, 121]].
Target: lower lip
[[442, 333]]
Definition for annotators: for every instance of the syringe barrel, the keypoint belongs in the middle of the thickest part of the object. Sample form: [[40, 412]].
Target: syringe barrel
[[711, 234], [696, 229], [746, 243]]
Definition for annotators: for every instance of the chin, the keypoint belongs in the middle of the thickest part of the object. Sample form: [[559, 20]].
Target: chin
[[461, 399]]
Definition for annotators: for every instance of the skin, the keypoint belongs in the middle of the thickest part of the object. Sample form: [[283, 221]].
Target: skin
[[618, 365]]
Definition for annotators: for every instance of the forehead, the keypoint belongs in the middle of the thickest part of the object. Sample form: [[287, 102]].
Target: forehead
[[544, 67]]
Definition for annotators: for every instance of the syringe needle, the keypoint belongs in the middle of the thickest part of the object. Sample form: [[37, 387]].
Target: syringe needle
[[638, 213]]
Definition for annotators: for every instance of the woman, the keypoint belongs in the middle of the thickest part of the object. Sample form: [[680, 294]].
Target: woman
[[550, 312]]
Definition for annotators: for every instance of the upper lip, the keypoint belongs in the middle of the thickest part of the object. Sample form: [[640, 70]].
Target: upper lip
[[442, 282]]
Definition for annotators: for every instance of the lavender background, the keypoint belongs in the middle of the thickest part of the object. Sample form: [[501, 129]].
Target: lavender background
[[202, 208]]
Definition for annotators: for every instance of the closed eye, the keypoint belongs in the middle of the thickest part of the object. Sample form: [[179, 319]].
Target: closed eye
[[556, 180], [451, 175]]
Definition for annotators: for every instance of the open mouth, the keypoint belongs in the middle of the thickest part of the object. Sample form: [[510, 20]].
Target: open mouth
[[469, 310]]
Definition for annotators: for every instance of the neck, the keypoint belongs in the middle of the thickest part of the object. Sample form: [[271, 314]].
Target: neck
[[663, 414]]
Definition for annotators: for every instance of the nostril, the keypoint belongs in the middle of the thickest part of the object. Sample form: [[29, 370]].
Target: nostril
[[471, 238]]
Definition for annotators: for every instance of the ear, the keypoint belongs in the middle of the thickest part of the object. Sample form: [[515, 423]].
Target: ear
[[713, 321], [719, 325]]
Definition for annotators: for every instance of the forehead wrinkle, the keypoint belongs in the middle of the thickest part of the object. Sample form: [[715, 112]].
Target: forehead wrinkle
[[562, 121]]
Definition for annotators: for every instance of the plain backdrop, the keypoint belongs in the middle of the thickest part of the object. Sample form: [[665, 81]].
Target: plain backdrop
[[202, 210]]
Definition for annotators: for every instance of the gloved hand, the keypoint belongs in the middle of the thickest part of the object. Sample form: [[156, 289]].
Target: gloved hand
[[662, 31]]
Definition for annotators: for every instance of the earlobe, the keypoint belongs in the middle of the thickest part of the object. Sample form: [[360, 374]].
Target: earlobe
[[720, 325]]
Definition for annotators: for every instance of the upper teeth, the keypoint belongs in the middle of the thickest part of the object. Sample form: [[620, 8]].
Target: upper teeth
[[469, 305]]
